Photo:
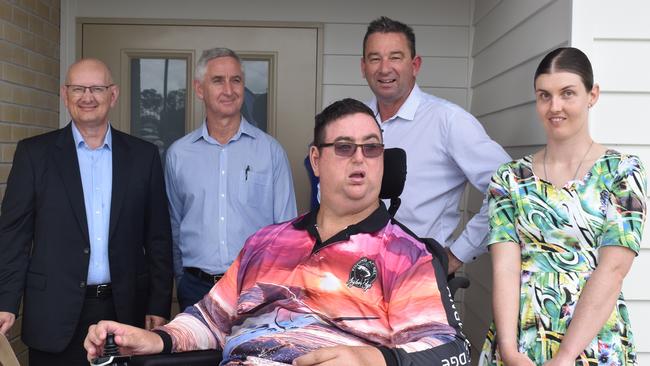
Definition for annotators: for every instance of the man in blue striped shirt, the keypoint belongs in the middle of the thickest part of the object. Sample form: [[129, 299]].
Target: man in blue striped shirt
[[225, 180]]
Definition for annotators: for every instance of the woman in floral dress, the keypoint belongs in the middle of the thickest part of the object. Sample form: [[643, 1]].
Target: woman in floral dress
[[565, 226]]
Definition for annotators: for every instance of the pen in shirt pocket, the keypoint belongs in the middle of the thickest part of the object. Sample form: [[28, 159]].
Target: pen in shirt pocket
[[248, 169]]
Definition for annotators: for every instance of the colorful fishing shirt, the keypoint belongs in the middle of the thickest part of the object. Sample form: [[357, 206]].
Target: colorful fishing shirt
[[288, 294]]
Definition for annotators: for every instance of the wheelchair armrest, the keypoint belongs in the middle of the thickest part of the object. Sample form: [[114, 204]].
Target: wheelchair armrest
[[456, 283], [194, 358]]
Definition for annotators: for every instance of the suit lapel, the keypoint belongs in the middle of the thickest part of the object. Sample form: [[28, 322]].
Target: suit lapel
[[65, 157], [121, 174]]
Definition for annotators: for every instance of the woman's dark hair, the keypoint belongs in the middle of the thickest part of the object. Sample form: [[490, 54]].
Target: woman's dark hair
[[567, 59]]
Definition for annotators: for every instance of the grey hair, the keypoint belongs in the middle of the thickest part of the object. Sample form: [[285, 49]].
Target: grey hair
[[211, 54]]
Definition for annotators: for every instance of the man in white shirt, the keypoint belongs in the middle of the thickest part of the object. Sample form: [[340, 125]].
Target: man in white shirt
[[446, 146]]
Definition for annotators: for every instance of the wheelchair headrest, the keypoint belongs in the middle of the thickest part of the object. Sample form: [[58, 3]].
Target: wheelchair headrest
[[392, 184]]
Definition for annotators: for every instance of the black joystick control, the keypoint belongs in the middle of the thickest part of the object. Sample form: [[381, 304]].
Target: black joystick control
[[110, 348], [111, 356]]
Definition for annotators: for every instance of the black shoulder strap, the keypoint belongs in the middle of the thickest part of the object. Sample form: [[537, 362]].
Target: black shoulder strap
[[437, 251], [432, 245]]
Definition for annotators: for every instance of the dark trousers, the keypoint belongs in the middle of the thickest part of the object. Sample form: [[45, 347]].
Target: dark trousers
[[191, 289], [94, 310]]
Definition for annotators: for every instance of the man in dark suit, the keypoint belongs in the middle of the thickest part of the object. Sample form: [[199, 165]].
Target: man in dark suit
[[84, 227]]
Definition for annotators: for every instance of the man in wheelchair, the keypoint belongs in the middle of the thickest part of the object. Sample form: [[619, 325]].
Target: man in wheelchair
[[342, 285]]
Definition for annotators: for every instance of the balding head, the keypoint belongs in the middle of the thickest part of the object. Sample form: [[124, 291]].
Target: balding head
[[86, 65], [89, 93]]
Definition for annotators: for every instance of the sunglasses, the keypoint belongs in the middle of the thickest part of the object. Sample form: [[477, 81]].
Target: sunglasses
[[347, 149]]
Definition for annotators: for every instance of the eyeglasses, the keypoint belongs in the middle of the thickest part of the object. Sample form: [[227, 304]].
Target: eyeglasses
[[79, 90], [347, 149]]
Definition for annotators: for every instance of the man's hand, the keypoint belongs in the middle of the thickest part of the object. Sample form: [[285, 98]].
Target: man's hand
[[130, 340], [152, 321], [7, 320], [342, 355], [454, 262]]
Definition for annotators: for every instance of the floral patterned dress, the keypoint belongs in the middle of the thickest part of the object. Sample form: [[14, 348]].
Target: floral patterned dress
[[559, 232]]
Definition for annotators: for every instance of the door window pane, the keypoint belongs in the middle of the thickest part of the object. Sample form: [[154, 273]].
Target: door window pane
[[158, 100], [256, 94]]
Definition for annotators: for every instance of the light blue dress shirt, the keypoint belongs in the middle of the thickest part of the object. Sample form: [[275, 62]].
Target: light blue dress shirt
[[96, 168], [220, 194], [446, 147]]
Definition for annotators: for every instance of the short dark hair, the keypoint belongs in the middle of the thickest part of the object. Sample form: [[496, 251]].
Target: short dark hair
[[567, 59], [338, 110], [388, 25]]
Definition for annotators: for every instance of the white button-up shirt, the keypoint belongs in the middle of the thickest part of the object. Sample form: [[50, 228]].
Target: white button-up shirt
[[445, 147]]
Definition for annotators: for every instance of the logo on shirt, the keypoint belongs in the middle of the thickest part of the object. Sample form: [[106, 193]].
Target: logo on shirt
[[363, 274]]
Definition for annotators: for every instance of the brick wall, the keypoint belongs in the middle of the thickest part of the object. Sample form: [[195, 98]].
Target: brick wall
[[29, 86]]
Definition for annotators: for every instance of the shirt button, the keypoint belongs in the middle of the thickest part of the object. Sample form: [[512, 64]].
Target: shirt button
[[223, 172], [221, 218], [86, 250], [223, 195], [82, 284]]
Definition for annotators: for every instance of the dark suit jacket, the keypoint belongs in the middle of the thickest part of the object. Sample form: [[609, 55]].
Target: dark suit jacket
[[44, 245]]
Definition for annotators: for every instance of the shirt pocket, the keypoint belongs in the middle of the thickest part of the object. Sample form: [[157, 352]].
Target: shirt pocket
[[254, 191]]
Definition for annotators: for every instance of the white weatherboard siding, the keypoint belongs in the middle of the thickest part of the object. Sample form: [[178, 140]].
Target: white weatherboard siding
[[418, 12], [510, 38], [617, 40]]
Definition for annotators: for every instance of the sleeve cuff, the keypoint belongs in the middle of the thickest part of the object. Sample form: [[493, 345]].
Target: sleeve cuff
[[167, 340], [389, 356], [466, 252]]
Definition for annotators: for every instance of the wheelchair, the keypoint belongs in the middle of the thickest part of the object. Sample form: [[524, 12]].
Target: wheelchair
[[391, 188]]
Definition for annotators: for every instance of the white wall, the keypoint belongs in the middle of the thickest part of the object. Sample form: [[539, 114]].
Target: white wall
[[617, 40], [441, 26], [510, 38]]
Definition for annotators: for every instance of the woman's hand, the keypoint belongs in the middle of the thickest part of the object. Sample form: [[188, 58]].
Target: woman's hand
[[516, 359], [556, 361]]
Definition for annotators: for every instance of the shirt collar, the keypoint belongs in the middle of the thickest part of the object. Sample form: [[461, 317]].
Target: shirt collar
[[407, 110], [371, 224], [79, 140], [244, 128]]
